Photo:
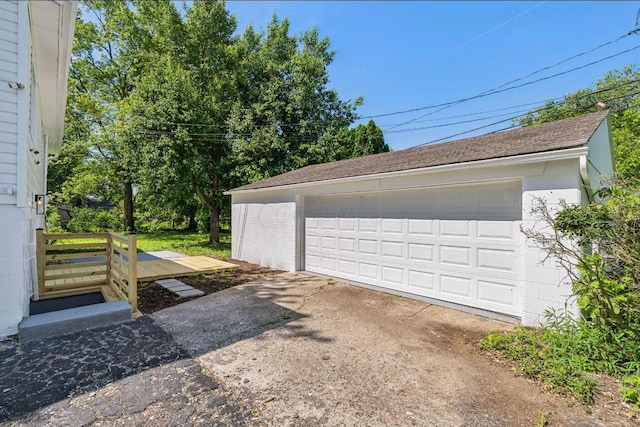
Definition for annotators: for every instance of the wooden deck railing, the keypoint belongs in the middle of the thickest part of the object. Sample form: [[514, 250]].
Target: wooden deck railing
[[72, 268]]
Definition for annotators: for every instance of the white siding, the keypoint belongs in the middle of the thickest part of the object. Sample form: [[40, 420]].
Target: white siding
[[13, 293], [8, 101]]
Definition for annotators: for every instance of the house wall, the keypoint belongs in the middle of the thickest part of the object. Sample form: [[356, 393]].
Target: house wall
[[20, 167], [8, 102]]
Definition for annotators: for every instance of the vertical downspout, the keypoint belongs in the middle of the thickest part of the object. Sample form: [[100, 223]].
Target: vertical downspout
[[586, 181]]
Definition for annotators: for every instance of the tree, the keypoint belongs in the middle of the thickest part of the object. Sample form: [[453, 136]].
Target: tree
[[617, 90], [105, 64], [285, 107]]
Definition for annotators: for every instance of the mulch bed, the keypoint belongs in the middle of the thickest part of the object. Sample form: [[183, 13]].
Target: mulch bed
[[153, 297]]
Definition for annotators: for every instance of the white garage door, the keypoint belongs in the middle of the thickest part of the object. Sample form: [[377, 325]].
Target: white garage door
[[460, 244]]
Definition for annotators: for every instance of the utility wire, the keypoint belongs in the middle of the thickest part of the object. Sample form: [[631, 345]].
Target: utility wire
[[460, 46], [515, 118], [617, 39], [505, 89], [196, 136]]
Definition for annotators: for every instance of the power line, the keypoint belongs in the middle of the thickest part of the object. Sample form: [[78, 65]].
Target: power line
[[514, 118], [617, 39], [460, 46], [478, 112], [596, 92], [505, 89]]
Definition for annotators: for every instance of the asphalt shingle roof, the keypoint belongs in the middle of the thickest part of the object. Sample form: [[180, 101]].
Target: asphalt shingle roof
[[562, 134]]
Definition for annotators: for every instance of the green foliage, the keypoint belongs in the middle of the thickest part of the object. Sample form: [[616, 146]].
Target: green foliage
[[631, 390], [623, 103], [93, 220], [546, 355], [53, 221], [600, 247], [188, 243]]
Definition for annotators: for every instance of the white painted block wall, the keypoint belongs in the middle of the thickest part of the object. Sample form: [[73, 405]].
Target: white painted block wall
[[546, 284], [264, 233]]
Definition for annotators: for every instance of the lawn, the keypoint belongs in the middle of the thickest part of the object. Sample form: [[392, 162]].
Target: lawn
[[185, 242]]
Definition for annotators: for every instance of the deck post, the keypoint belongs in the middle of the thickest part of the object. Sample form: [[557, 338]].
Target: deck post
[[40, 260], [109, 255], [132, 254]]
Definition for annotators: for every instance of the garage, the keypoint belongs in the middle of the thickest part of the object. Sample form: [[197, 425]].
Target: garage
[[457, 243], [441, 222]]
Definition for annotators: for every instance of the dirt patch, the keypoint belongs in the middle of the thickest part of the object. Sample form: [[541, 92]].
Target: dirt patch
[[153, 297]]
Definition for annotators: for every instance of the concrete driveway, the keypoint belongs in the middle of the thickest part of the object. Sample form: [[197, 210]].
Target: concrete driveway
[[301, 350]]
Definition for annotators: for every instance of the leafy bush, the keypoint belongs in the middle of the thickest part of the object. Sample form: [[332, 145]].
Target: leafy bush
[[92, 220], [53, 221], [599, 246]]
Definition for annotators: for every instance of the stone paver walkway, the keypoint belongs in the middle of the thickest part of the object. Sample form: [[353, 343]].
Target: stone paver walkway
[[179, 288]]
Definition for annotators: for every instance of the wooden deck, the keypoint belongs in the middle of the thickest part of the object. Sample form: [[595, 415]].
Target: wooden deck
[[147, 271], [178, 267]]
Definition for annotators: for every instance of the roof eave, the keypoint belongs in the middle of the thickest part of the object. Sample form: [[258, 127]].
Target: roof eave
[[52, 25], [570, 153]]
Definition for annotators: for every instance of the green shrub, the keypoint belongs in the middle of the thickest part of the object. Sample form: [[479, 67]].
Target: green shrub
[[93, 220], [53, 221], [599, 245]]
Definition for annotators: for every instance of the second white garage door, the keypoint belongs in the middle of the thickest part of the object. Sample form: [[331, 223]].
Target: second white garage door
[[460, 244]]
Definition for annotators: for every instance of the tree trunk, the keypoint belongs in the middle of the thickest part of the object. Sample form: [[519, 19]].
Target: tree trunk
[[129, 220], [214, 224]]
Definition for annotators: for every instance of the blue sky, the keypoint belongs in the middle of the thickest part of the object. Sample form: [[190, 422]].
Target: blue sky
[[403, 55]]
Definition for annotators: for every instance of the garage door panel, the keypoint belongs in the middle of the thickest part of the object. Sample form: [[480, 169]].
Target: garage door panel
[[497, 259], [368, 247], [456, 286], [393, 226], [329, 224], [328, 242], [347, 267], [422, 280], [494, 292], [392, 249], [368, 225], [455, 255], [393, 275], [347, 244], [455, 229], [421, 227], [368, 270], [347, 224], [458, 244], [421, 252], [503, 230]]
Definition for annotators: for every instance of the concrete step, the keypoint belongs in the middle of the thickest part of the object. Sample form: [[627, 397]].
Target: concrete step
[[73, 320]]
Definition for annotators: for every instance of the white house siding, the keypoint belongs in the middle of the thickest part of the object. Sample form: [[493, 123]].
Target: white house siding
[[268, 225], [20, 168], [13, 296], [8, 102]]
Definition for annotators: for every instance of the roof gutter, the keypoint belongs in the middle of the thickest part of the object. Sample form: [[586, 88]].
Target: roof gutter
[[545, 156]]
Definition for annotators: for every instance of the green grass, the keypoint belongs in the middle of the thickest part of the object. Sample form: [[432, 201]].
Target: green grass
[[185, 242], [188, 243]]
